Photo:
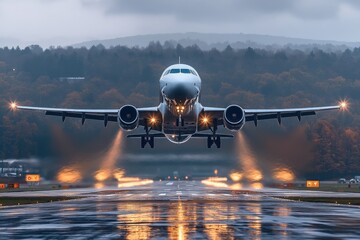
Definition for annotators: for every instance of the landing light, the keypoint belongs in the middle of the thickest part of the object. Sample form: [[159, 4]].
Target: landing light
[[13, 105], [180, 109], [205, 120], [344, 105], [153, 120]]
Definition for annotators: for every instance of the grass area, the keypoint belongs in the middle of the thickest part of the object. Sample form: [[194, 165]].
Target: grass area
[[31, 189], [336, 200], [9, 201], [332, 188], [44, 187]]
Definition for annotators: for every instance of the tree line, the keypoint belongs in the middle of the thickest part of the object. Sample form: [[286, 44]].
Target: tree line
[[253, 78]]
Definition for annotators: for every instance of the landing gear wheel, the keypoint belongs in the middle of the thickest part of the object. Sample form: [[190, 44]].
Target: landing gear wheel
[[214, 140], [217, 142], [147, 139], [210, 142], [151, 142], [143, 142]]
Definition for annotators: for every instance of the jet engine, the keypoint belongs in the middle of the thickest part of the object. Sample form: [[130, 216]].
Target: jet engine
[[128, 117], [234, 117]]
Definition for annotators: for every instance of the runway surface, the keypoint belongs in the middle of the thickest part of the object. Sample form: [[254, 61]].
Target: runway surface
[[179, 210]]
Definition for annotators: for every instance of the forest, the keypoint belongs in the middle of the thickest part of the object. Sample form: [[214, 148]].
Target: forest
[[101, 77]]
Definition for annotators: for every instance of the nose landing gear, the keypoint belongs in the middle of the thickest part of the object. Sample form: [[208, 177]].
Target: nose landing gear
[[179, 121]]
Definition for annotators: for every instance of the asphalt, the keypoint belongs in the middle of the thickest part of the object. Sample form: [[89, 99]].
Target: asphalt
[[180, 210]]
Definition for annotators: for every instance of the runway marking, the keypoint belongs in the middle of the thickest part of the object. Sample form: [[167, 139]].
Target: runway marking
[[145, 194], [226, 194], [211, 194], [169, 183], [194, 194], [128, 195], [162, 194], [178, 193]]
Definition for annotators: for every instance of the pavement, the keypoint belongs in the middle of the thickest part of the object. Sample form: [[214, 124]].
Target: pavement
[[180, 210]]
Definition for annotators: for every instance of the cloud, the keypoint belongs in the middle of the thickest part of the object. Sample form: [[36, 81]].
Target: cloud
[[292, 18], [52, 22], [57, 22], [228, 10]]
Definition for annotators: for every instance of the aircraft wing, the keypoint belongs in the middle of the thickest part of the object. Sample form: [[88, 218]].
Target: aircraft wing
[[105, 115], [264, 114]]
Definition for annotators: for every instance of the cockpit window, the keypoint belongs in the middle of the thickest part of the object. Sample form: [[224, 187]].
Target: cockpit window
[[175, 70], [193, 72], [185, 70], [166, 73]]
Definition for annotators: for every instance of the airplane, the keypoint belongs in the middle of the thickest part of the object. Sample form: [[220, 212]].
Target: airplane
[[180, 115]]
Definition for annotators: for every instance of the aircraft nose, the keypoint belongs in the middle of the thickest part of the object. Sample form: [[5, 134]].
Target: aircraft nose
[[181, 91]]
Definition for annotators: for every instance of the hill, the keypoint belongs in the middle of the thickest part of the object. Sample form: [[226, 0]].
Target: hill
[[207, 41]]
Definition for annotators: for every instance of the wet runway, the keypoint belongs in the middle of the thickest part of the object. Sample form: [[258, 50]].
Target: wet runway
[[179, 210]]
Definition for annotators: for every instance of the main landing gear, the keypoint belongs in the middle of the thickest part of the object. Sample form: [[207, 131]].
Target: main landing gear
[[147, 138], [214, 139]]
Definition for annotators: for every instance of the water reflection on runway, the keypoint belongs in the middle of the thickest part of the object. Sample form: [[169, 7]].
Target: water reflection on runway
[[184, 220]]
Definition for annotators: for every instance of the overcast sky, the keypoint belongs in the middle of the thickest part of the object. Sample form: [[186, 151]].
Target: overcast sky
[[62, 22]]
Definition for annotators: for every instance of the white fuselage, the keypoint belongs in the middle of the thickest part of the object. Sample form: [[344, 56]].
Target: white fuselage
[[180, 87]]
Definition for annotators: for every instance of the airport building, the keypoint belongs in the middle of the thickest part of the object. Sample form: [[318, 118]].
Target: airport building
[[13, 171]]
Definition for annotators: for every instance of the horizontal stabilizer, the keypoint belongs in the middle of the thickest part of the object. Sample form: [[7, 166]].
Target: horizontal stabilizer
[[155, 135], [197, 135], [204, 135]]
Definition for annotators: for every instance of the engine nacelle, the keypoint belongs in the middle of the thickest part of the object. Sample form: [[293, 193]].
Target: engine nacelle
[[128, 117], [234, 118]]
